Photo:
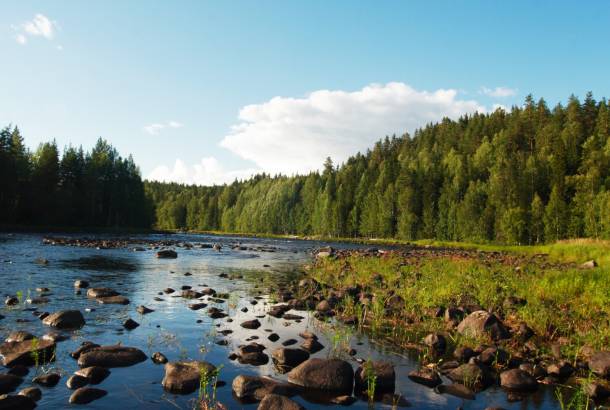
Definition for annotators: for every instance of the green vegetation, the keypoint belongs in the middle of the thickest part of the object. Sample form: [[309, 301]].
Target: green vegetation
[[563, 303], [528, 176], [80, 189]]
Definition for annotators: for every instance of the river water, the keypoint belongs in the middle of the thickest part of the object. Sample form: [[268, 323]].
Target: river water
[[173, 329]]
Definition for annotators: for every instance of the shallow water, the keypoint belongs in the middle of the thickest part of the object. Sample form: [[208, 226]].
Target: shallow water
[[173, 329]]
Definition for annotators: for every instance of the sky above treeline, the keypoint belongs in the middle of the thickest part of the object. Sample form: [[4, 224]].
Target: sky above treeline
[[208, 91]]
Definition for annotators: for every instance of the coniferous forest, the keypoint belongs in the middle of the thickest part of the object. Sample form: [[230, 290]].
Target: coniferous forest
[[77, 189], [533, 174]]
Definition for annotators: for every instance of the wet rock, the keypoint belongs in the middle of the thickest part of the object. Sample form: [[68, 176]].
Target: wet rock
[[599, 363], [167, 291], [436, 342], [101, 292], [198, 306], [113, 300], [37, 301], [191, 294], [252, 354], [111, 356], [323, 307], [216, 313], [278, 402], [457, 390], [323, 374], [596, 391], [463, 353], [47, 380], [257, 387], [11, 301], [289, 342], [383, 373], [286, 358], [480, 324], [562, 369], [75, 381], [274, 337], [278, 310], [9, 383], [130, 324], [94, 374], [85, 395], [517, 379], [19, 371], [33, 393], [426, 376], [143, 310], [473, 375], [81, 284], [251, 324], [65, 319], [159, 358], [183, 377], [27, 353], [84, 347], [290, 316], [312, 345], [16, 402], [19, 336], [167, 254], [494, 356]]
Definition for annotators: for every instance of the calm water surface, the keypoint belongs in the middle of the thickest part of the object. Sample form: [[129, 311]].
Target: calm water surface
[[173, 328]]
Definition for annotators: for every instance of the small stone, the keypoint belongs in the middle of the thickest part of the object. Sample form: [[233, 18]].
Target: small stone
[[85, 395]]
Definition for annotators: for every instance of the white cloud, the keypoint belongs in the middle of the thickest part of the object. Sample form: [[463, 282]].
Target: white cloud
[[39, 26], [499, 92], [208, 172], [295, 135], [156, 128]]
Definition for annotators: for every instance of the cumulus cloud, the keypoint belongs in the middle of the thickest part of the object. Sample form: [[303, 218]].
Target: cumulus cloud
[[208, 172], [39, 26], [156, 128], [295, 135], [499, 92]]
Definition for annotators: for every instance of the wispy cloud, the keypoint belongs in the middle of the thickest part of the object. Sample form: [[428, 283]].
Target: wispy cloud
[[156, 128], [499, 92], [39, 26]]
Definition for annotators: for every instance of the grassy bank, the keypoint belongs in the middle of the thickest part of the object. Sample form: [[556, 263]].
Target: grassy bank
[[563, 304]]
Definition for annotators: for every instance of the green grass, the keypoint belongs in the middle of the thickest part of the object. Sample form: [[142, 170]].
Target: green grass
[[562, 300]]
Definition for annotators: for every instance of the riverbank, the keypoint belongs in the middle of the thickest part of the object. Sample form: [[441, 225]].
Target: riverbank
[[544, 310]]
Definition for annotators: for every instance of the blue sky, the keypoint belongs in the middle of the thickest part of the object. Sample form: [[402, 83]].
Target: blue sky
[[169, 81]]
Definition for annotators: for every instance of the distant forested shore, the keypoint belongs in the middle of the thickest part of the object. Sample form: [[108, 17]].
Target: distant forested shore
[[524, 176]]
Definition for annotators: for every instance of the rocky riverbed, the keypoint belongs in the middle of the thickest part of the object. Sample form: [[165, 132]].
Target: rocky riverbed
[[173, 321]]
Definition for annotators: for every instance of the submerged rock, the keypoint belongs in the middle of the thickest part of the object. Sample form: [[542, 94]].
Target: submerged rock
[[183, 377], [167, 254], [101, 292], [33, 393], [17, 402], [251, 324], [113, 300], [47, 380]]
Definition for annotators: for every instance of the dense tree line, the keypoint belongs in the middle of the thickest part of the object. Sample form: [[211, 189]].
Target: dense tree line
[[81, 189], [530, 175]]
